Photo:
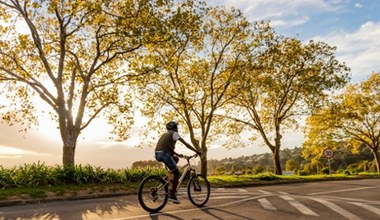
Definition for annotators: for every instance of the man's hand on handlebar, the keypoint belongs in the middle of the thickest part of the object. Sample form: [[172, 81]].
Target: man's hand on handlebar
[[197, 153]]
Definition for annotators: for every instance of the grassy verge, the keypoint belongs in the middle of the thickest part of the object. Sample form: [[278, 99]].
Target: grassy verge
[[86, 190], [66, 191], [269, 178]]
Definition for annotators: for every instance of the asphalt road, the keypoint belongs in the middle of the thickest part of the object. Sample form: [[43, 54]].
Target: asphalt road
[[353, 199]]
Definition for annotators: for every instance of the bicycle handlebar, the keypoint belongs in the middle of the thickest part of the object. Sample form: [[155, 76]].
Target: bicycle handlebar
[[189, 157]]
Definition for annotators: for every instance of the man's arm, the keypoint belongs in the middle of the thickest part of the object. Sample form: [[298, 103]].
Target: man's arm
[[189, 146]]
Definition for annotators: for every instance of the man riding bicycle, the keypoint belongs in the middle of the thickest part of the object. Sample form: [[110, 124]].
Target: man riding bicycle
[[165, 153]]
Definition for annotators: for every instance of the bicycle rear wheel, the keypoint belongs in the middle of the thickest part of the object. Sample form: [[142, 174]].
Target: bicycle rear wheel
[[153, 193], [198, 190]]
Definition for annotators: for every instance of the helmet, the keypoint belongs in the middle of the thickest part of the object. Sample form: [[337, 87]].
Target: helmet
[[172, 126]]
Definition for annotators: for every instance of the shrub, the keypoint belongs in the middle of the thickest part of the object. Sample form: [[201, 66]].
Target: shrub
[[249, 171], [258, 169], [5, 178], [266, 176], [346, 172], [325, 170], [38, 174], [353, 166], [220, 170], [340, 170], [310, 169]]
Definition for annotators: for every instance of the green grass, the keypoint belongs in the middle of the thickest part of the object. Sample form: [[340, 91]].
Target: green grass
[[270, 178], [65, 190], [24, 193]]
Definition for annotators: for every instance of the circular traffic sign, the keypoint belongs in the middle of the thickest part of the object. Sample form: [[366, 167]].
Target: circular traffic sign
[[328, 153]]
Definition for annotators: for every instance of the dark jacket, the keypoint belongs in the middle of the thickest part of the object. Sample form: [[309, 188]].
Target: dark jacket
[[166, 143]]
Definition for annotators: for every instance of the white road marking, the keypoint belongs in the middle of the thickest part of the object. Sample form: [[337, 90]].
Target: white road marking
[[344, 190], [265, 192], [242, 190], [233, 194], [266, 204], [227, 197], [368, 207], [301, 207], [337, 209], [239, 201], [353, 200]]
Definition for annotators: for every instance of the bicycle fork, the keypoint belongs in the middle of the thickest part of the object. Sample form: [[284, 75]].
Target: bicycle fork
[[197, 185]]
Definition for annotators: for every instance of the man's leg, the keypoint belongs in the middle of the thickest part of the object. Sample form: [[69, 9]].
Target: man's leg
[[172, 175], [173, 183], [175, 180]]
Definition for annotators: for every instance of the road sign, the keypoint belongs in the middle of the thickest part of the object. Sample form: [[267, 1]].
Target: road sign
[[328, 153]]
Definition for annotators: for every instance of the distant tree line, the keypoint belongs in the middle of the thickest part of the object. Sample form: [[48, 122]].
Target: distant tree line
[[147, 164], [343, 161]]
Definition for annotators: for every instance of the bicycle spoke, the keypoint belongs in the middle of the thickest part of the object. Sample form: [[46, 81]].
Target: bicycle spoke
[[198, 190], [153, 193]]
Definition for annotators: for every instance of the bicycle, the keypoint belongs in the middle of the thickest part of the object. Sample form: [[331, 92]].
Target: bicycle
[[153, 193]]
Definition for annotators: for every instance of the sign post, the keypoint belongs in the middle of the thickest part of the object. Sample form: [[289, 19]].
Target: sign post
[[328, 153]]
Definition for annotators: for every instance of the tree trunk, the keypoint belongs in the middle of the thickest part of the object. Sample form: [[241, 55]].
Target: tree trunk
[[204, 162], [276, 160], [69, 145], [276, 152], [203, 157], [377, 159]]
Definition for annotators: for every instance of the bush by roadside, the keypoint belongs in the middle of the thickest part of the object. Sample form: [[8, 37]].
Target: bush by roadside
[[41, 175]]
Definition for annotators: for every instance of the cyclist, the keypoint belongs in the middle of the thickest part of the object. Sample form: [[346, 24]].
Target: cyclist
[[165, 153]]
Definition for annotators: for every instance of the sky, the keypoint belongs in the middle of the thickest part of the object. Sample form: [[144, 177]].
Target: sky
[[353, 26]]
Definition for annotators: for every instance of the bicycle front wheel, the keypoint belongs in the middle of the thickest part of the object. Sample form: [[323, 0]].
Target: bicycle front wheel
[[153, 193], [198, 190]]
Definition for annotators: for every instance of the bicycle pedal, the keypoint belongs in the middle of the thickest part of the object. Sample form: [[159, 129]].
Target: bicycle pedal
[[175, 201]]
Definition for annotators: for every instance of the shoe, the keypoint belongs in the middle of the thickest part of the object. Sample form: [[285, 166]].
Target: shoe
[[174, 199]]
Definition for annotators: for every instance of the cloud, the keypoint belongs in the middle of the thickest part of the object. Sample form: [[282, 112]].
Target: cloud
[[290, 22], [11, 152], [359, 49], [14, 156], [358, 5], [284, 13]]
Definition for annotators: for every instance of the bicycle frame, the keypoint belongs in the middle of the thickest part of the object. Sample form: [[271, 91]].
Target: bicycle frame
[[184, 169]]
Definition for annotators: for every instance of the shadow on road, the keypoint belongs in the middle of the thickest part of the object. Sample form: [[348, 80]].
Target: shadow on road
[[212, 212], [82, 209], [166, 215]]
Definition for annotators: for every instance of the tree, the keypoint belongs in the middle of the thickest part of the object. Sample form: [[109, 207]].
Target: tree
[[288, 80], [352, 118], [221, 170], [292, 165], [73, 55], [205, 56], [319, 136], [147, 164]]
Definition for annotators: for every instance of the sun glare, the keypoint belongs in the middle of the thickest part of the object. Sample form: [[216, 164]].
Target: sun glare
[[10, 152]]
